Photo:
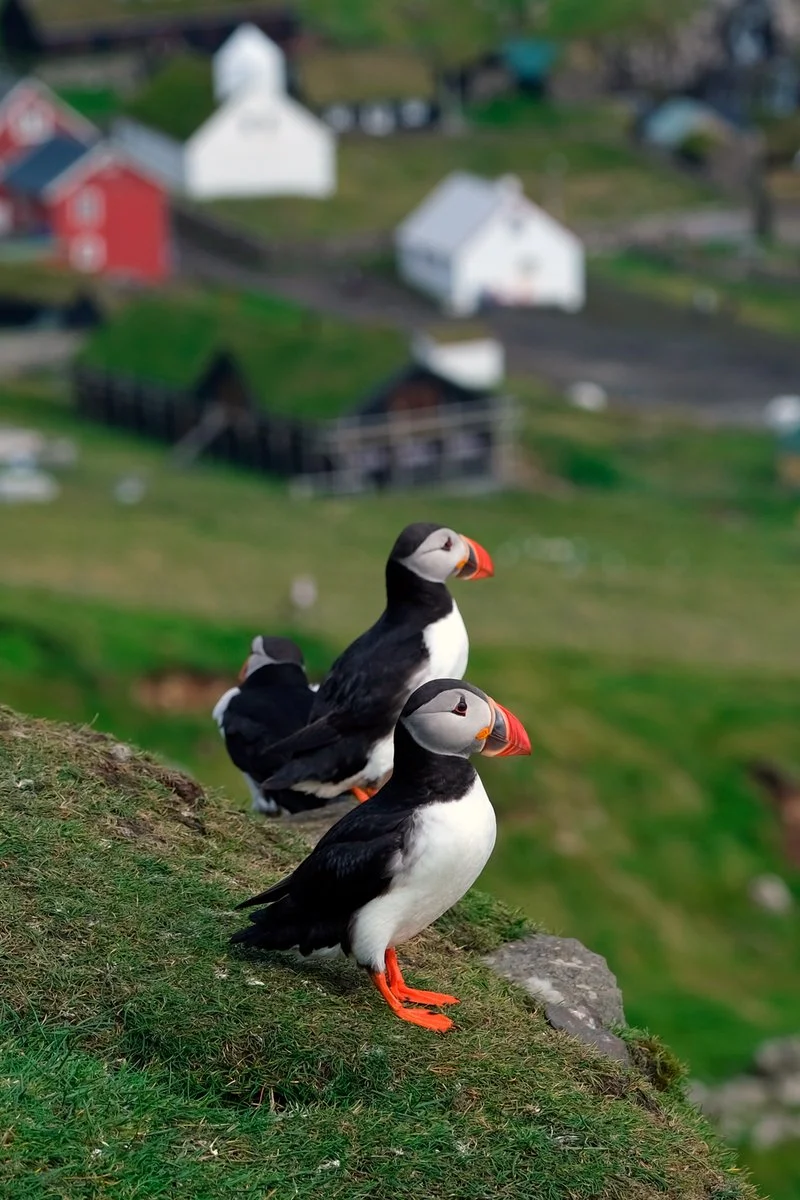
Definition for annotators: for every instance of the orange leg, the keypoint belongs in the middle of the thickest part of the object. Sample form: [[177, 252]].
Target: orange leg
[[412, 995], [438, 1022], [362, 794]]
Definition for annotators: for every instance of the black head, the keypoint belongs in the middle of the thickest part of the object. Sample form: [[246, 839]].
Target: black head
[[267, 651], [436, 553], [449, 716], [277, 649]]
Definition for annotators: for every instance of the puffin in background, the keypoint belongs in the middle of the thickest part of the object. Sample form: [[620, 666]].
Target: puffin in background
[[348, 743], [391, 867], [272, 701]]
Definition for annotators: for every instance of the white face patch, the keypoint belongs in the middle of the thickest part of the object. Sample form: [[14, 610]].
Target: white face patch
[[438, 557], [450, 722]]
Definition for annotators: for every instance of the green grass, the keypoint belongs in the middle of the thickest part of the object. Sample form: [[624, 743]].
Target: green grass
[[648, 671], [577, 162], [138, 1057], [171, 339], [97, 104], [178, 98], [773, 307]]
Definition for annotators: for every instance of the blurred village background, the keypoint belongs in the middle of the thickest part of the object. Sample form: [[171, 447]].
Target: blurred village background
[[275, 281]]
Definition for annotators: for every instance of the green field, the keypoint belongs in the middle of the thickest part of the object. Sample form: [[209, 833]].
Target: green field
[[773, 306], [577, 163], [650, 662]]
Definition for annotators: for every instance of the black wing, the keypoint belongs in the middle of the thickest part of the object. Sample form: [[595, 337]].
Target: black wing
[[350, 866], [373, 676], [255, 721]]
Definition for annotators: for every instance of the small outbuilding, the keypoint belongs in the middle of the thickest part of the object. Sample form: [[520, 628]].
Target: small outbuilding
[[368, 91], [93, 208], [475, 243]]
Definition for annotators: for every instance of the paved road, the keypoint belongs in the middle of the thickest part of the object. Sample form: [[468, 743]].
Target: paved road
[[643, 352]]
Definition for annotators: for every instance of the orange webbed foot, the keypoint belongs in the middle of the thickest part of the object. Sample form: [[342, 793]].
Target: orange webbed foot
[[412, 995], [437, 1022], [362, 794]]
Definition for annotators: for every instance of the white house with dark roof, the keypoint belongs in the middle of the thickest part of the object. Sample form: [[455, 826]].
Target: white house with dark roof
[[477, 242]]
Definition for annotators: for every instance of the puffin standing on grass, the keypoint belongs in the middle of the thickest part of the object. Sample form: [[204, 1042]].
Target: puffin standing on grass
[[348, 743], [272, 701], [389, 868]]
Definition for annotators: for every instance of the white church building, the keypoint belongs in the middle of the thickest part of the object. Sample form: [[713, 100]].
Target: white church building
[[475, 242], [258, 141]]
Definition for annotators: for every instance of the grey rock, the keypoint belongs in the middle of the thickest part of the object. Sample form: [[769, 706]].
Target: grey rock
[[561, 971], [583, 1025], [778, 1057], [737, 1102], [787, 1091], [773, 1129], [771, 893]]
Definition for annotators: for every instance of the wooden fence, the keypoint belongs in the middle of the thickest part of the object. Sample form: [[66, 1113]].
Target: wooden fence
[[454, 444]]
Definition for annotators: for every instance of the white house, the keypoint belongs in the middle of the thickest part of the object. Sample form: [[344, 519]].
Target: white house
[[257, 143], [260, 143], [477, 241], [246, 59]]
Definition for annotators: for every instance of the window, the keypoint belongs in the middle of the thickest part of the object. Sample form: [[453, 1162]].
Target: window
[[87, 206], [32, 123], [87, 253]]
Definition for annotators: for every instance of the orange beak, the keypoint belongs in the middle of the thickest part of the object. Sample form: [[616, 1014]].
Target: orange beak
[[477, 564], [243, 672], [507, 735]]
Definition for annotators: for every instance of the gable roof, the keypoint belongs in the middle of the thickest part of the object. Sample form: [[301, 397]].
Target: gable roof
[[9, 84], [295, 363], [41, 166], [461, 205], [452, 212], [360, 76]]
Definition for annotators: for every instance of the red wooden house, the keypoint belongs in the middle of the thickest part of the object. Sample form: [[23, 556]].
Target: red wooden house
[[30, 114], [100, 213]]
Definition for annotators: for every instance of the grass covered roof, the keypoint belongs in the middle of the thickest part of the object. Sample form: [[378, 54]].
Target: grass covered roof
[[295, 362], [178, 99]]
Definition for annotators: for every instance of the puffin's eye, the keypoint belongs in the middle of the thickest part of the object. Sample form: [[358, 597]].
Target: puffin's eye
[[448, 546], [460, 709]]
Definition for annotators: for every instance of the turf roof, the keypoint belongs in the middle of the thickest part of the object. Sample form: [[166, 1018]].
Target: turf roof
[[295, 362], [178, 99], [326, 77]]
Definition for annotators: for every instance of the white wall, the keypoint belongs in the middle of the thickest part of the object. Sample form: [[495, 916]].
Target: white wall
[[157, 154], [259, 144], [522, 259], [248, 59]]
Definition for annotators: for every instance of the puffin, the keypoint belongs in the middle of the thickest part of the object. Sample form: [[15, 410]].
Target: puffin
[[389, 868], [273, 700], [348, 744]]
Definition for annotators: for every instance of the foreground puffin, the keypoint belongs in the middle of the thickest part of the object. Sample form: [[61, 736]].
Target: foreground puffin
[[273, 700], [348, 743], [389, 868]]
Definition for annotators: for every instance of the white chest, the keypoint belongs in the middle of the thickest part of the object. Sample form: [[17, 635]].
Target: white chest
[[448, 848], [447, 644]]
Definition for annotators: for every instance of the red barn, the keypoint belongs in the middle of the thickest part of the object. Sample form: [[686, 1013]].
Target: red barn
[[102, 214], [30, 114]]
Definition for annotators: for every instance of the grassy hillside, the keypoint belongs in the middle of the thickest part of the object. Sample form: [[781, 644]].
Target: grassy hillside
[[773, 306], [578, 162], [642, 622], [137, 1056]]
